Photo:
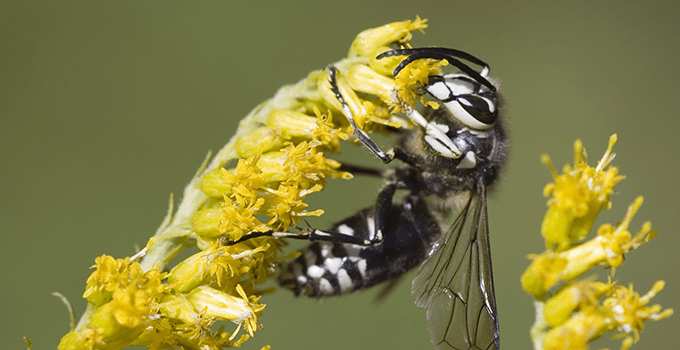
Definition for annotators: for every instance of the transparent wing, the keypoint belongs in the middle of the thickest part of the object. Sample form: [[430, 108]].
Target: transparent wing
[[455, 284]]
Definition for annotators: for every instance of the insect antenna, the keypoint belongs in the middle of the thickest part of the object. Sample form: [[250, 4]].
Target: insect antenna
[[439, 53]]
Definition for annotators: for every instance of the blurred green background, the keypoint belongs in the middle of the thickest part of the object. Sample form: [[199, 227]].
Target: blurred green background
[[106, 108]]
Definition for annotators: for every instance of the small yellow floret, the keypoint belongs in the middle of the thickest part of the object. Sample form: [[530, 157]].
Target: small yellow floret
[[608, 248], [623, 311], [578, 195], [240, 310], [367, 41]]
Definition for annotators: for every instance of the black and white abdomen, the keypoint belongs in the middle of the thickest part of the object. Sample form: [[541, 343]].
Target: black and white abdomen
[[331, 268]]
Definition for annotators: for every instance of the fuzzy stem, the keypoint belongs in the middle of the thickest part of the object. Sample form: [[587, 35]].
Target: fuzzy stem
[[540, 326]]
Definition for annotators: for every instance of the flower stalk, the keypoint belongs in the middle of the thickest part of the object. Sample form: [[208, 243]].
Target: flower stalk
[[280, 154], [570, 313]]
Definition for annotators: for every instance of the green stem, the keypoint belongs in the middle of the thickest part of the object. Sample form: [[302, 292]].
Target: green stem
[[540, 326]]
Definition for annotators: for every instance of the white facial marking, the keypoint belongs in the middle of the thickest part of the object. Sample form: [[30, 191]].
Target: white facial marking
[[492, 106], [468, 162], [344, 280], [439, 90], [315, 272], [466, 118], [301, 279], [459, 87], [333, 265]]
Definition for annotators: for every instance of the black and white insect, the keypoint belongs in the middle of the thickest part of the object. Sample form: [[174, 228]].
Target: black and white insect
[[431, 212]]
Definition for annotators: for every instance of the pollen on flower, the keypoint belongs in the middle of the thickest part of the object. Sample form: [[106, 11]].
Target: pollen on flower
[[577, 197], [238, 216], [629, 310], [623, 312], [544, 272], [112, 275], [576, 314], [579, 294], [86, 338], [607, 248], [257, 183], [413, 77], [222, 266], [373, 41], [132, 306], [326, 133], [240, 310]]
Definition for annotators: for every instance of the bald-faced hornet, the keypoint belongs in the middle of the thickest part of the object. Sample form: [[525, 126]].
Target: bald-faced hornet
[[450, 159]]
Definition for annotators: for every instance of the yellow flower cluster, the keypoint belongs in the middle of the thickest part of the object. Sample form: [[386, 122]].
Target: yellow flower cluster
[[281, 161], [127, 307], [574, 315], [279, 152]]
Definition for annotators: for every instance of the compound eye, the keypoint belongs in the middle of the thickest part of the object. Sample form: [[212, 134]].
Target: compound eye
[[480, 108]]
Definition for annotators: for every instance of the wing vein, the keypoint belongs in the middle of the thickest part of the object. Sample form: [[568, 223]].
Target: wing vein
[[455, 284]]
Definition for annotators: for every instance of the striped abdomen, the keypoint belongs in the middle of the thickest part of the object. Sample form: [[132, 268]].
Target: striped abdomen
[[330, 268]]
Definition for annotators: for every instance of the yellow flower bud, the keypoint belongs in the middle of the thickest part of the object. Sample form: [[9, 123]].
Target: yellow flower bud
[[84, 338], [543, 273], [560, 307], [576, 332], [259, 140], [292, 123], [578, 196], [114, 333], [215, 184], [364, 79], [176, 306], [220, 305], [189, 273], [206, 222], [365, 43]]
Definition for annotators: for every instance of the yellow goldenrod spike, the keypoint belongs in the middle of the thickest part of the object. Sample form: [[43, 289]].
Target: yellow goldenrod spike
[[575, 316], [258, 182]]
